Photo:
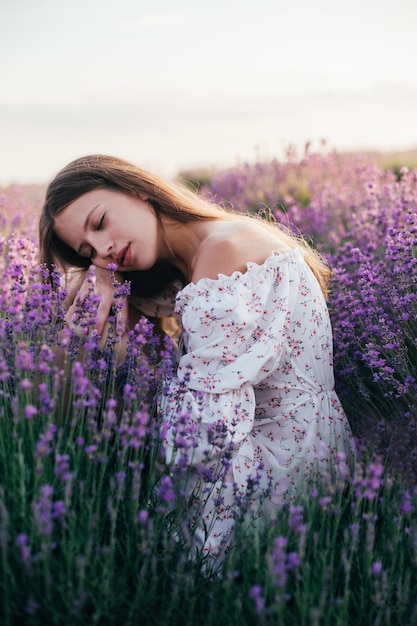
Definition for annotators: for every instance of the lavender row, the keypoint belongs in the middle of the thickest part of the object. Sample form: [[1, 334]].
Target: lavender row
[[364, 220]]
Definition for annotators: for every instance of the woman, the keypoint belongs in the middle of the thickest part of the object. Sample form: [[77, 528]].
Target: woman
[[255, 374]]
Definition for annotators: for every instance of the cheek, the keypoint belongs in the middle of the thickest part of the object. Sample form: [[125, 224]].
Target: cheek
[[72, 241]]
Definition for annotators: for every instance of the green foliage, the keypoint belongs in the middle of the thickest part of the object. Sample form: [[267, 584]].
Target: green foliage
[[85, 538]]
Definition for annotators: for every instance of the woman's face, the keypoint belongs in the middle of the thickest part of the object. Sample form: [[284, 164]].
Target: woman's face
[[111, 227]]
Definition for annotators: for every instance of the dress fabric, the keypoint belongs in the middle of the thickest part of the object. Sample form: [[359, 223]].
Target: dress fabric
[[253, 399]]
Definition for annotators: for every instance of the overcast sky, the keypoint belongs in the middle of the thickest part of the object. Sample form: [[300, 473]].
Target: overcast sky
[[179, 84]]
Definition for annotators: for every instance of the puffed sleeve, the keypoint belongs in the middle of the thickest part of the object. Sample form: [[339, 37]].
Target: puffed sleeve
[[233, 335]]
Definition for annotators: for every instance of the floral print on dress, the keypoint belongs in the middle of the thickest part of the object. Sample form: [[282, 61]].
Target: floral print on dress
[[257, 365]]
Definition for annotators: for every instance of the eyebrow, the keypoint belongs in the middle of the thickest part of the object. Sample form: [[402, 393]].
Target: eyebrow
[[87, 219]]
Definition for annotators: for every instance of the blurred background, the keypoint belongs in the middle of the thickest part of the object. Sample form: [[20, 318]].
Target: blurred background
[[174, 85]]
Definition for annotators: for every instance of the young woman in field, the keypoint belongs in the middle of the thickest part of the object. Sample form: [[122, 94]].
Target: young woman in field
[[254, 373]]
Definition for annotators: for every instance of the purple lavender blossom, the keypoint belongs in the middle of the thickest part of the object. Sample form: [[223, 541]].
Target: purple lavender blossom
[[43, 447], [377, 568], [166, 490], [277, 562], [295, 521], [143, 516], [22, 543], [367, 486], [30, 411], [256, 594], [62, 467], [43, 510]]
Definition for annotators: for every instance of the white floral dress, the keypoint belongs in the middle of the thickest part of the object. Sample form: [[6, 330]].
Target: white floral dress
[[257, 368]]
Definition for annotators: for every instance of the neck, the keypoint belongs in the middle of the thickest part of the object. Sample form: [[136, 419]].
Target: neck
[[182, 242]]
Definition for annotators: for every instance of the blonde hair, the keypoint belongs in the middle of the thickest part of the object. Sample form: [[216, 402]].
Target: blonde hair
[[168, 199]]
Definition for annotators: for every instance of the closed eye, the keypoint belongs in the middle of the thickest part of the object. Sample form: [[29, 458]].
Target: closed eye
[[100, 224]]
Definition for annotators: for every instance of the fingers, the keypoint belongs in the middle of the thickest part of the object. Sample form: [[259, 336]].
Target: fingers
[[109, 305], [104, 310], [122, 321], [72, 319], [101, 284], [73, 282], [104, 335]]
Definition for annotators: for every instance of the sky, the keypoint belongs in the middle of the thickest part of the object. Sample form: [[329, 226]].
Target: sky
[[181, 84]]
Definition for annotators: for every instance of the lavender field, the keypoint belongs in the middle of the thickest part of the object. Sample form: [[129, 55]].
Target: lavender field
[[92, 524]]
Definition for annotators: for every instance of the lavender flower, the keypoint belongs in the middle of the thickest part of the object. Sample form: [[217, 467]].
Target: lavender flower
[[22, 543], [62, 467], [43, 510], [166, 490], [377, 568], [30, 411], [277, 562], [368, 486], [255, 593], [43, 447], [143, 516]]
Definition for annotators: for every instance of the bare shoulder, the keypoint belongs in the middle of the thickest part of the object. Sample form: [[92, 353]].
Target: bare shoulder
[[230, 245]]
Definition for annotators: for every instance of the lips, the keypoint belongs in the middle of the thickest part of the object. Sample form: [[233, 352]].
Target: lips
[[123, 258]]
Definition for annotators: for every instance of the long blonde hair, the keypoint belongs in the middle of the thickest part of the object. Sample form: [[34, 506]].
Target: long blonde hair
[[168, 199]]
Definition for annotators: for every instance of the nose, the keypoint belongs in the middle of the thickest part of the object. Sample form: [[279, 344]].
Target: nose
[[104, 250]]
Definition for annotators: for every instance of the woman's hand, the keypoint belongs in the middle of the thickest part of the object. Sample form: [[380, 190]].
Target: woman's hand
[[79, 284]]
